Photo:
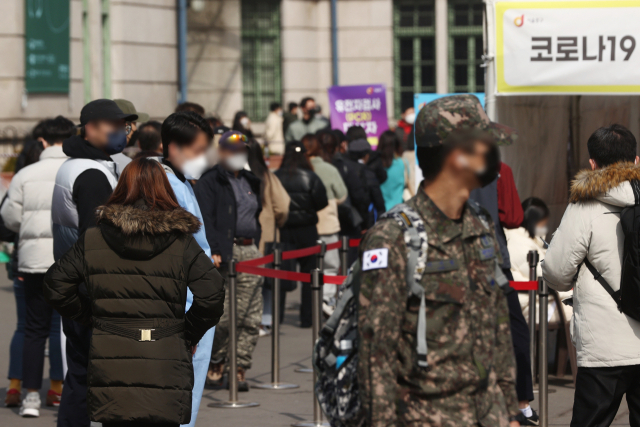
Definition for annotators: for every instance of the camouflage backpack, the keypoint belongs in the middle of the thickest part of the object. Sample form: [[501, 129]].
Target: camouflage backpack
[[335, 355]]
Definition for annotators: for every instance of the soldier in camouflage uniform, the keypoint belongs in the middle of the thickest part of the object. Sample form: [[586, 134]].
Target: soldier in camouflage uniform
[[470, 378]]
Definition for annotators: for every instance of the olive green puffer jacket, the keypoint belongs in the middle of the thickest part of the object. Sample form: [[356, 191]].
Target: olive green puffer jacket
[[137, 265]]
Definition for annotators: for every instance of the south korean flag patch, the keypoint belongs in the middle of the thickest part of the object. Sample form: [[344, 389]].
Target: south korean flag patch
[[375, 258]]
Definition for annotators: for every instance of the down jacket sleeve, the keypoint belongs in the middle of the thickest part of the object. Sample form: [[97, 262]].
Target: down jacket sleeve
[[13, 206], [62, 282], [207, 286], [568, 249]]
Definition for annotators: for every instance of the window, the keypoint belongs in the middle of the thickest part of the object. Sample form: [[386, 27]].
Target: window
[[261, 77], [465, 46], [414, 50]]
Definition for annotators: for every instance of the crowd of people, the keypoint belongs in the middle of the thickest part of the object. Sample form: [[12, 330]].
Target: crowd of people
[[124, 228]]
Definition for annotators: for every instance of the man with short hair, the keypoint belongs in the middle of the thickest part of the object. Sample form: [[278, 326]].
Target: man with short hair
[[308, 124], [84, 182], [371, 204], [589, 244], [467, 377], [190, 106], [27, 211], [230, 199], [185, 139]]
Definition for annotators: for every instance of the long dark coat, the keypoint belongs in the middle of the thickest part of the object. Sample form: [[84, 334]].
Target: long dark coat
[[137, 265]]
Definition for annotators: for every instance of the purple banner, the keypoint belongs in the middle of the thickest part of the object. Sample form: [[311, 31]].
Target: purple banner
[[364, 106]]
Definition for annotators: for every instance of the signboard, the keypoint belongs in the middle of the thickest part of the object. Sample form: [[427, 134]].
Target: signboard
[[364, 106], [47, 46], [551, 47]]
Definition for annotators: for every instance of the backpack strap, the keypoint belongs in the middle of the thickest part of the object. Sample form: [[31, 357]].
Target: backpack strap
[[635, 186], [415, 237], [596, 275]]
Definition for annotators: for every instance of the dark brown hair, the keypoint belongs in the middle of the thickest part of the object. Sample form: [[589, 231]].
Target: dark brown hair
[[144, 179], [312, 144]]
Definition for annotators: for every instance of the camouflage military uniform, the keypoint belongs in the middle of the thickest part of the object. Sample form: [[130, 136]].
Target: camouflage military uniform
[[470, 380], [249, 300]]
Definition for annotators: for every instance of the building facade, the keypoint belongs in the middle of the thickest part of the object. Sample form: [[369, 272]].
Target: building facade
[[117, 49], [245, 54]]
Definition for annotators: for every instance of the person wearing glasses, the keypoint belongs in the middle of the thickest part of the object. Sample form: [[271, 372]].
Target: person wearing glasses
[[229, 197], [84, 182]]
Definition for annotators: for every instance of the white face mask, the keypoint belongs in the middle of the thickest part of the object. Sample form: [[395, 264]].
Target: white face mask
[[236, 162], [280, 113], [245, 122], [193, 168], [410, 118], [542, 231]]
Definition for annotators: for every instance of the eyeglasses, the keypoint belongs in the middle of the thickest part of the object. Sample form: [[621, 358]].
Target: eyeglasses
[[236, 138]]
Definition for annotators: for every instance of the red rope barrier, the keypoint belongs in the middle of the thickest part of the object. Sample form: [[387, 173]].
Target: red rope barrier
[[524, 286], [276, 274], [334, 280], [354, 243], [258, 261], [334, 245], [301, 253]]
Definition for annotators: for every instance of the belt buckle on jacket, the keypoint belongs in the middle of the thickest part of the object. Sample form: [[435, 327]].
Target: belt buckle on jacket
[[145, 335]]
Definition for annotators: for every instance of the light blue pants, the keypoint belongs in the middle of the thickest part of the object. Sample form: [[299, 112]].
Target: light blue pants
[[201, 361]]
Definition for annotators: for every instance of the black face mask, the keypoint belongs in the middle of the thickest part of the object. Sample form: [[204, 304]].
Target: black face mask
[[492, 167], [312, 113]]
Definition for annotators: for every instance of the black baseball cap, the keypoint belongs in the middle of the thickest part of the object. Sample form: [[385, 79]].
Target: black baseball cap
[[104, 109]]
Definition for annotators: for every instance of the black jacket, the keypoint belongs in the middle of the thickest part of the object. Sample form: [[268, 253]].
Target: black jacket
[[308, 196], [363, 187], [375, 164], [137, 265], [218, 206], [375, 195]]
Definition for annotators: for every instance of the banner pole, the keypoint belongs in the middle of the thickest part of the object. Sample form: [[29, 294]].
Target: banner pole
[[532, 257], [232, 349], [316, 317], [543, 366], [275, 383], [490, 60]]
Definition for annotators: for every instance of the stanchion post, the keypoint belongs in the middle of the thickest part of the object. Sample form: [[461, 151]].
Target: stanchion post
[[543, 293], [344, 256], [275, 330], [533, 258], [316, 317], [232, 349], [320, 255]]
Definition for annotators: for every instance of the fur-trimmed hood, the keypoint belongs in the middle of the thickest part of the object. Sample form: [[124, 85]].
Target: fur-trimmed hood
[[136, 232], [138, 219], [603, 183]]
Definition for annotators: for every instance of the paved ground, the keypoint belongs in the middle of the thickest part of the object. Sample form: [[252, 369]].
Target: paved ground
[[277, 408]]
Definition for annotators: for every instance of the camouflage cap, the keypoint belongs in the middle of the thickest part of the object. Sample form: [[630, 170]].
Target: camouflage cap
[[444, 116]]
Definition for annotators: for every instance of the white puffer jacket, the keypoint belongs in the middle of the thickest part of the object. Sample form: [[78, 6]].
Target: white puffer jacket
[[591, 229], [27, 210]]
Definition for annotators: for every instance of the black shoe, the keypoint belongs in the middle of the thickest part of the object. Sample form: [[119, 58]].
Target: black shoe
[[243, 385], [533, 420]]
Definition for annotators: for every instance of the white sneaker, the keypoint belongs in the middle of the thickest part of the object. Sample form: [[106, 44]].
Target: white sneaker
[[31, 405]]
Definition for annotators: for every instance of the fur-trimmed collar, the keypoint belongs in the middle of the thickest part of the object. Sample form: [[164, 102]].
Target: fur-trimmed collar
[[589, 184], [138, 219]]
